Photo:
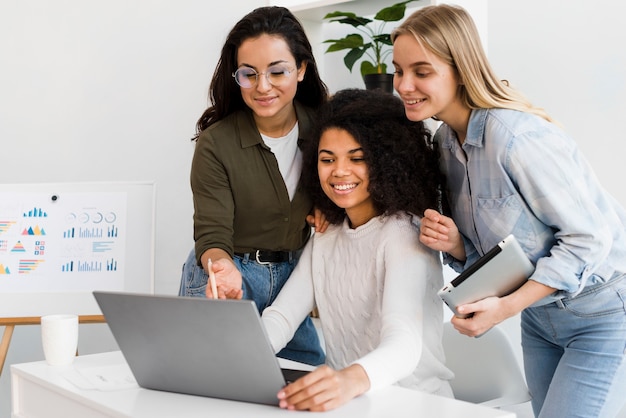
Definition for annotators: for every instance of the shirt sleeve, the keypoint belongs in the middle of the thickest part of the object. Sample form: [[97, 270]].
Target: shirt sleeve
[[212, 198], [562, 192]]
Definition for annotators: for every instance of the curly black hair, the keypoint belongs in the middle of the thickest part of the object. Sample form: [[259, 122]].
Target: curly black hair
[[403, 168]]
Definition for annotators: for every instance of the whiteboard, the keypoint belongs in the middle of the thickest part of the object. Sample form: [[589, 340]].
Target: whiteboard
[[60, 242]]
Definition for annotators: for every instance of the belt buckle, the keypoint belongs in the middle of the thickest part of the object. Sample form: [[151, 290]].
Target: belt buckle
[[258, 260]]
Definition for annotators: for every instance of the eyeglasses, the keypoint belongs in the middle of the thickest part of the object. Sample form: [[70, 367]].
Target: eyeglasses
[[276, 75]]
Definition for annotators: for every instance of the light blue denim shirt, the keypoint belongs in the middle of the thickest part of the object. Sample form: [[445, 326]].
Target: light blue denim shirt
[[519, 174]]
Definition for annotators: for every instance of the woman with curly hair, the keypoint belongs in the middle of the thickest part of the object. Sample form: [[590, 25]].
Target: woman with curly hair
[[369, 170]]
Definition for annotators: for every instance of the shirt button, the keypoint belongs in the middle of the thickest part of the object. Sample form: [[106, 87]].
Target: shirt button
[[286, 219]]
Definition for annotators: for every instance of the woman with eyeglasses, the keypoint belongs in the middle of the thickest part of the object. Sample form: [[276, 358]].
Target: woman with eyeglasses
[[250, 216]]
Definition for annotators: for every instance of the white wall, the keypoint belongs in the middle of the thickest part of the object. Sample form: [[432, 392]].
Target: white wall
[[107, 91]]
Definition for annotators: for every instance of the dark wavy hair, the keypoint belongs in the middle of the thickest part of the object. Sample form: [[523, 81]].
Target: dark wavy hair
[[403, 168], [225, 94]]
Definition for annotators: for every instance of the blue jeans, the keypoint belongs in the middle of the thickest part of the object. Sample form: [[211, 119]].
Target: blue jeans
[[261, 283], [574, 353]]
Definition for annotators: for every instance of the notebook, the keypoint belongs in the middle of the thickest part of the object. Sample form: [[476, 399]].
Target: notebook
[[196, 346], [499, 272]]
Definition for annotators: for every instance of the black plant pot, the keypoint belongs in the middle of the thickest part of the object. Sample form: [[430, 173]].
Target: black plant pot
[[379, 81]]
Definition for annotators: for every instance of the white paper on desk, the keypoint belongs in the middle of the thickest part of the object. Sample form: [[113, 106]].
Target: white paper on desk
[[105, 378]]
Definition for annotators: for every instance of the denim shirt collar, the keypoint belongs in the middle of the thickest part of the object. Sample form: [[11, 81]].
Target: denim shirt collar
[[475, 130], [476, 127]]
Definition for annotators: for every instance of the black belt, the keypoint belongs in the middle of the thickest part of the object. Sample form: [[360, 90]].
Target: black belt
[[264, 257]]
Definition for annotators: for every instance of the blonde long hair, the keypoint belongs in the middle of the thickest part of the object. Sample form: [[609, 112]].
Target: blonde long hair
[[449, 32]]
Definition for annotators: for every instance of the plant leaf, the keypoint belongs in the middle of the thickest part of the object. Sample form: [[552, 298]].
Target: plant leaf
[[352, 57], [392, 13], [339, 14], [348, 18], [384, 38], [349, 42], [369, 68]]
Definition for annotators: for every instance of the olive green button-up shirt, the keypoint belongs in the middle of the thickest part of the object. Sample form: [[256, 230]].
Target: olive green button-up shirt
[[240, 199]]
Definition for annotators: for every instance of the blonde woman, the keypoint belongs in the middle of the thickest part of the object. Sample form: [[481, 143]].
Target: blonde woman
[[511, 170]]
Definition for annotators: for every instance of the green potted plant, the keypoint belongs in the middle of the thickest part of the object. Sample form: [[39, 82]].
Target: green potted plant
[[373, 43]]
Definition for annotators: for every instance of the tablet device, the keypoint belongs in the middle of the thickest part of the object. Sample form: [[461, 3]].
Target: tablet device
[[501, 271]]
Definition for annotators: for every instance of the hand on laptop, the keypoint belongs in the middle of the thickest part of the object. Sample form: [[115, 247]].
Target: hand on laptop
[[227, 278], [324, 389]]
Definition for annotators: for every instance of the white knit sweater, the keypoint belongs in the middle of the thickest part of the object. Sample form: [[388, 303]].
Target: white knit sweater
[[375, 288]]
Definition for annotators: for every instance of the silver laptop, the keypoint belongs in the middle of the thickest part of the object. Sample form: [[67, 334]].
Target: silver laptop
[[499, 272], [196, 346]]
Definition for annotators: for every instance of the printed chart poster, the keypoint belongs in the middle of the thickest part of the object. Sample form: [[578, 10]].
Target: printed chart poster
[[62, 242]]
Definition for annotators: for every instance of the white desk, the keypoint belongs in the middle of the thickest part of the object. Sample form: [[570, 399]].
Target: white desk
[[39, 390]]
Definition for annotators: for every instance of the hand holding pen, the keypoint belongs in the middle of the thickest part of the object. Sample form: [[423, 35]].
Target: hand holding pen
[[224, 279]]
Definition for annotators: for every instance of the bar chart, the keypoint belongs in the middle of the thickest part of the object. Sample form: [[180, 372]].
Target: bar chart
[[89, 266], [35, 213]]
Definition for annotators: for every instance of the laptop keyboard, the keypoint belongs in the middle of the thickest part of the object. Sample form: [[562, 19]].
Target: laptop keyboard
[[292, 375]]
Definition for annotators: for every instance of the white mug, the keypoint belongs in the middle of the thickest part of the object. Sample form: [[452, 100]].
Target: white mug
[[59, 337]]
